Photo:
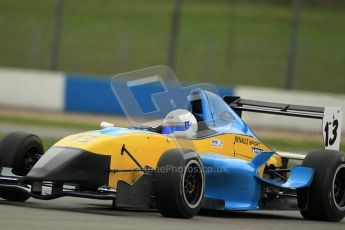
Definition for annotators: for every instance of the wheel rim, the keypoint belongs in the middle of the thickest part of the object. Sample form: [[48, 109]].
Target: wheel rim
[[30, 159], [193, 183], [338, 188]]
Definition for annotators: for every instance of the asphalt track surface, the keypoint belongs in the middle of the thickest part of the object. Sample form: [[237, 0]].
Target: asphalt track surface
[[77, 213]]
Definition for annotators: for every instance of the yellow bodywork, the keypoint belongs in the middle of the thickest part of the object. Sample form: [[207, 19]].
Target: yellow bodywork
[[148, 147]]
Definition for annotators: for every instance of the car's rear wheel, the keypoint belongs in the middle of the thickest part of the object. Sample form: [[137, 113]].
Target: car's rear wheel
[[325, 198], [179, 183], [19, 151]]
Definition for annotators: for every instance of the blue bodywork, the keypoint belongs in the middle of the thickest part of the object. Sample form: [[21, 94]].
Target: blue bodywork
[[232, 180], [117, 131], [239, 184], [217, 114], [237, 181]]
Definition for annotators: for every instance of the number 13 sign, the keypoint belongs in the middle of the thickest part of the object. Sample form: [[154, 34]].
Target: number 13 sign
[[332, 121]]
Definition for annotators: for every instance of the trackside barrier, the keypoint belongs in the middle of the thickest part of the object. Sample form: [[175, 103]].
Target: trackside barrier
[[94, 95], [34, 89]]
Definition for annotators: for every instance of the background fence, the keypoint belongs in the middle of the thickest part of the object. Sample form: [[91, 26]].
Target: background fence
[[228, 42]]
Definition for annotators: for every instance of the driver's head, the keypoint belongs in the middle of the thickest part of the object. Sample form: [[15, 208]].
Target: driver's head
[[180, 123]]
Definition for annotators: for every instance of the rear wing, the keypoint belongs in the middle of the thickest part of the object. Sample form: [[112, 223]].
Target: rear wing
[[331, 117]]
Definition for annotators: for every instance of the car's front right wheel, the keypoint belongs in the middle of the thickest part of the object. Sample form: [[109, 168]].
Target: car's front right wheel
[[179, 183]]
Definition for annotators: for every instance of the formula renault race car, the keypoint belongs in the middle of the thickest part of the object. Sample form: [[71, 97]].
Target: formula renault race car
[[201, 156]]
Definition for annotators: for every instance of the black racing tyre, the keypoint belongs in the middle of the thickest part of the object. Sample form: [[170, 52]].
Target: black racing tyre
[[325, 198], [179, 183], [19, 151]]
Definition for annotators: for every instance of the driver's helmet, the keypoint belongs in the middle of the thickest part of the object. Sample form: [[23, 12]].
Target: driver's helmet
[[180, 123]]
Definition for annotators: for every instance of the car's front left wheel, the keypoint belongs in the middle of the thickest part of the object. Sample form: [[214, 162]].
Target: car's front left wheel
[[19, 152]]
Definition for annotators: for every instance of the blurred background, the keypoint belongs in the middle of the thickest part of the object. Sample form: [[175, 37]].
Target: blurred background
[[293, 47], [231, 42]]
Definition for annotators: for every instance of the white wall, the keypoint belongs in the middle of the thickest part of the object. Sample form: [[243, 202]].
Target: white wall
[[32, 89], [288, 97]]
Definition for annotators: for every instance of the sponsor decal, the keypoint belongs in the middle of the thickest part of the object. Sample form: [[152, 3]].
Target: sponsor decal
[[246, 141], [217, 143], [256, 150]]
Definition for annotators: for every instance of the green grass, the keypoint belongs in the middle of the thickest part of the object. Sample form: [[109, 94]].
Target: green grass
[[295, 145], [48, 123], [47, 142], [221, 42]]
